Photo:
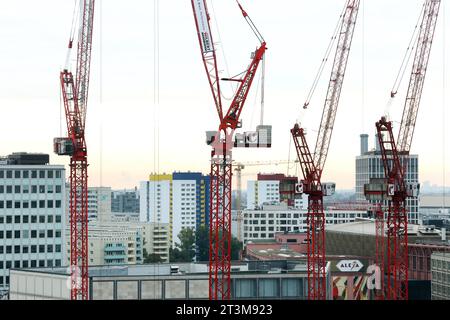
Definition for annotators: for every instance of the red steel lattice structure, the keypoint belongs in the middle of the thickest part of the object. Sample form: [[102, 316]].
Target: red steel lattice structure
[[397, 221], [221, 157], [75, 96], [312, 165]]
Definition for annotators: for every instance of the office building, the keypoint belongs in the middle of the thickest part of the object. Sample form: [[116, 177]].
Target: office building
[[263, 224], [32, 197], [369, 165], [125, 200], [180, 199], [440, 276]]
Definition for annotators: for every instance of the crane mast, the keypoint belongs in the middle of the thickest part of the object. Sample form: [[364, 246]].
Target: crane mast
[[344, 43], [75, 95], [312, 165], [221, 155], [418, 72], [395, 158]]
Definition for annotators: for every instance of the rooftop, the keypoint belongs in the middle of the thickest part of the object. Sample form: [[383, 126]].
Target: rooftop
[[367, 227]]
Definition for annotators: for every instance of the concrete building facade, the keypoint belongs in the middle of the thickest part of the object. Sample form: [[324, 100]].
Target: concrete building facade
[[264, 224], [251, 280], [99, 203], [180, 199], [440, 281], [32, 218], [125, 200], [369, 165]]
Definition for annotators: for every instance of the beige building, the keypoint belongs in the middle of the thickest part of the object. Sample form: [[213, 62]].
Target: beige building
[[99, 203], [118, 243]]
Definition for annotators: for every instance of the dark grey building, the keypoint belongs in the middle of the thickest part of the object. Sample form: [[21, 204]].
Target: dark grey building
[[125, 200]]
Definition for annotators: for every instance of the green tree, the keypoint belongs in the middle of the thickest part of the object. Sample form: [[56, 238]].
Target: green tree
[[202, 242], [151, 258], [236, 247], [184, 251]]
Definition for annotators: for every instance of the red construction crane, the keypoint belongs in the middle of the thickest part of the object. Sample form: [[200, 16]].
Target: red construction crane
[[221, 159], [312, 165], [75, 96], [394, 156]]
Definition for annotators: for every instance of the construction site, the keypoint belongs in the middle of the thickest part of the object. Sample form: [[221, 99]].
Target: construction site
[[334, 219]]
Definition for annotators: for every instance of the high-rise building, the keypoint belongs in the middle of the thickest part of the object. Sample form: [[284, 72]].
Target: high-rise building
[[180, 199], [125, 200], [273, 189], [369, 165], [32, 219], [440, 276], [99, 203]]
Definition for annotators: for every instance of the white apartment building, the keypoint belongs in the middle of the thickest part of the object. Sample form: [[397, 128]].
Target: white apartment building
[[264, 223], [32, 197], [112, 244], [151, 237], [180, 200], [262, 192], [156, 199]]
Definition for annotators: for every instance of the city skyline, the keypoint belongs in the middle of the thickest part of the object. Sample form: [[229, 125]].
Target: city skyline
[[122, 114]]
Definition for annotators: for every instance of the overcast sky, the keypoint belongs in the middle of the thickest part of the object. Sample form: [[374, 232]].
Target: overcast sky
[[122, 113]]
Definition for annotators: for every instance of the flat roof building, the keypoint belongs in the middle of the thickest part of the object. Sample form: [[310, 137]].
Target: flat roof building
[[32, 217], [186, 281]]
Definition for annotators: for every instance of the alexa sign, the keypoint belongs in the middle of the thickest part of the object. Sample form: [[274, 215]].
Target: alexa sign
[[349, 265]]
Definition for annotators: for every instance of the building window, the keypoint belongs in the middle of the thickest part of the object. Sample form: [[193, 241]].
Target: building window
[[42, 174], [25, 174]]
